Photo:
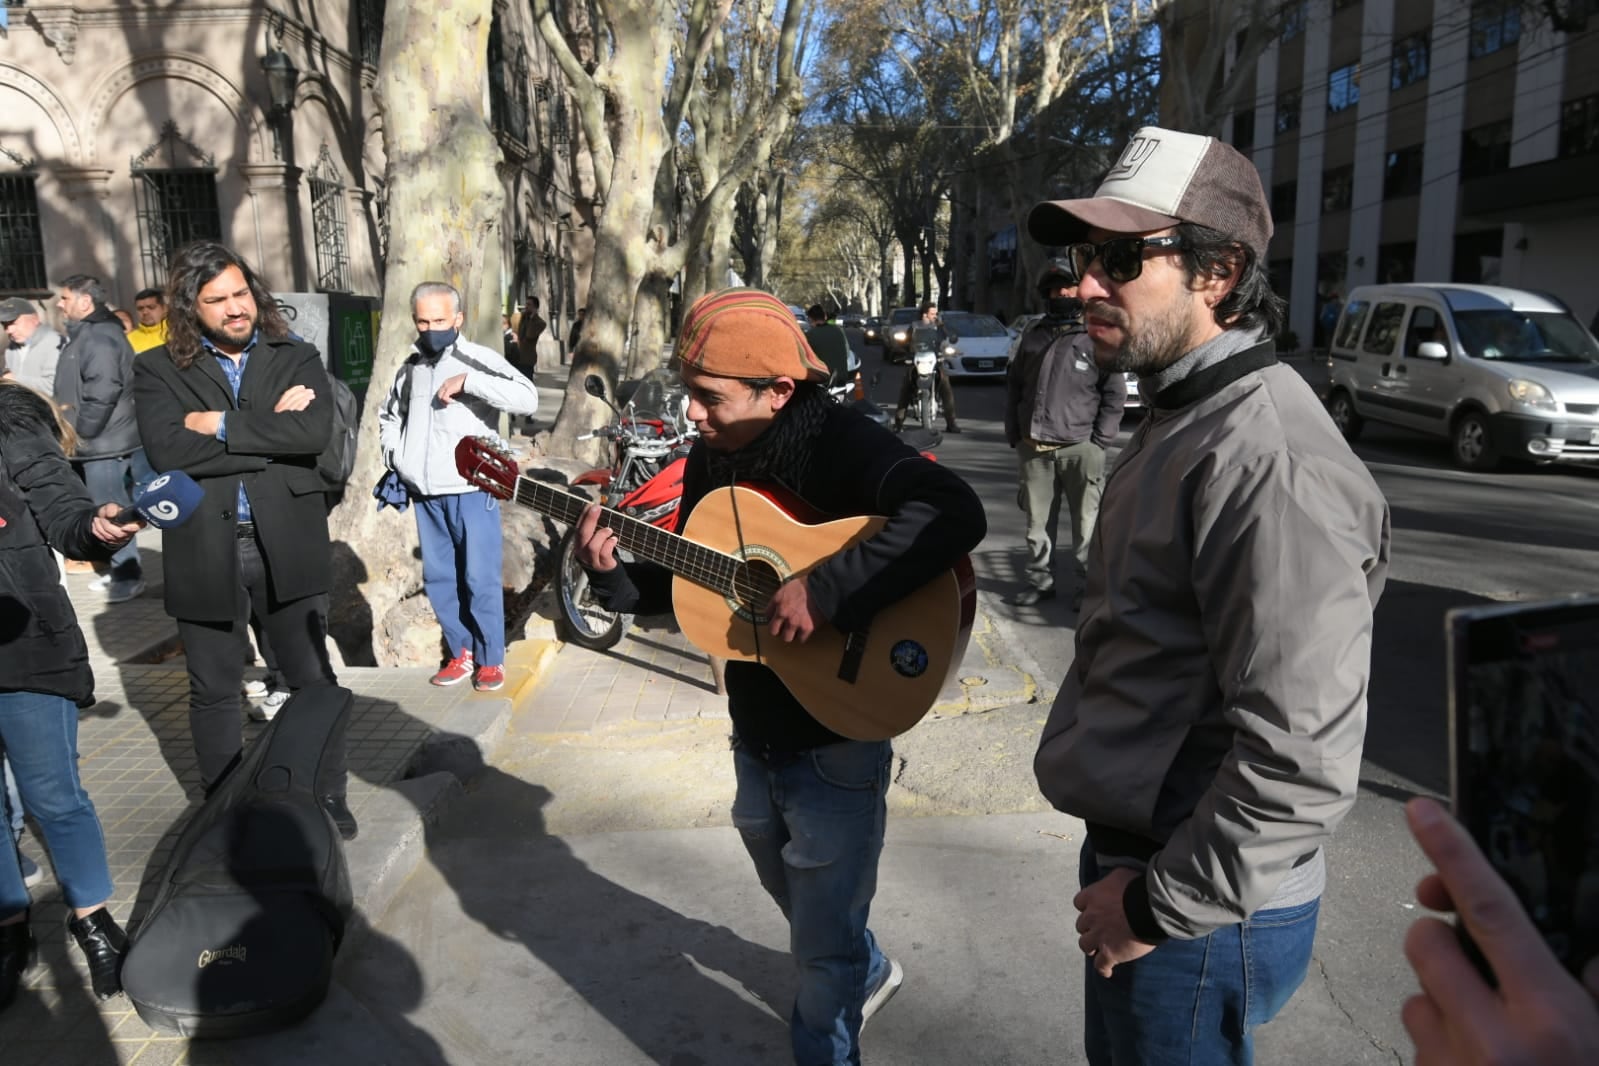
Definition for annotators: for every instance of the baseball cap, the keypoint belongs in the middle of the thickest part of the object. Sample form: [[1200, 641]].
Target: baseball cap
[[746, 333], [1162, 178], [14, 307]]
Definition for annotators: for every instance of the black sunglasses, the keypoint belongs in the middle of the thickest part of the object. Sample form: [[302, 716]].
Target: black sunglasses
[[1122, 257]]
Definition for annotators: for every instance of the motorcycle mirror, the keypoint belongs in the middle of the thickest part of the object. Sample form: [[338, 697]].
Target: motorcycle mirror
[[594, 385]]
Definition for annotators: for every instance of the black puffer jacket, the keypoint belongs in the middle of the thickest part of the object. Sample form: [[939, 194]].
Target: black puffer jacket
[[42, 505], [94, 384]]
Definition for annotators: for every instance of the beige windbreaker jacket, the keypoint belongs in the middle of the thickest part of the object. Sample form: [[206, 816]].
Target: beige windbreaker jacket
[[1213, 720]]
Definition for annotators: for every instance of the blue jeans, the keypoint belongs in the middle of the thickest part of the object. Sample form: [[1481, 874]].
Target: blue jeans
[[40, 733], [11, 801], [461, 541], [1196, 1002], [813, 825], [107, 482]]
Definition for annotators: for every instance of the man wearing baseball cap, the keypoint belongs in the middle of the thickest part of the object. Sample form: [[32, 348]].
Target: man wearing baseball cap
[[810, 803], [1209, 731], [35, 347]]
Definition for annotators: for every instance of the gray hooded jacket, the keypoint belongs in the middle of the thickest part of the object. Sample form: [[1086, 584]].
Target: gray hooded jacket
[[94, 385]]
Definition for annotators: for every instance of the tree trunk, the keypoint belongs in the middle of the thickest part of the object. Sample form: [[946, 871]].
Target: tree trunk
[[444, 224]]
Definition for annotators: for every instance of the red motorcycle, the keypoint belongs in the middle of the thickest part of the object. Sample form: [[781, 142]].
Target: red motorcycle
[[644, 481]]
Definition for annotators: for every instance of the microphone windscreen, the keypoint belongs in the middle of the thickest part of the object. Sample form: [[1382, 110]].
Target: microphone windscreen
[[169, 500]]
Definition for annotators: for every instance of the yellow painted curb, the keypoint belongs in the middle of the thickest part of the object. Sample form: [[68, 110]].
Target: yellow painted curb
[[526, 662]]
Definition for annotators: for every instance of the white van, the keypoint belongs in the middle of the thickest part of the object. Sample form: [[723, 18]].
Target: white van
[[1500, 373]]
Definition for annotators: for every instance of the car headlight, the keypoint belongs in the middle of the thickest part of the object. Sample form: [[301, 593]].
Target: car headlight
[[950, 349], [1532, 394], [900, 334]]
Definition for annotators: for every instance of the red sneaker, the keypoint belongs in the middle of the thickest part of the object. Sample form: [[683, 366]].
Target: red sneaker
[[489, 678], [455, 671]]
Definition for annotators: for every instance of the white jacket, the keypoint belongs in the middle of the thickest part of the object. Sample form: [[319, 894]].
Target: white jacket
[[419, 432]]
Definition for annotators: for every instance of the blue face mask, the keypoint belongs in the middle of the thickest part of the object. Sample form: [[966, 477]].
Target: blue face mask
[[436, 341]]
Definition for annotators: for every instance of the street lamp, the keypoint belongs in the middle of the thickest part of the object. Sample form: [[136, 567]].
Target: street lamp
[[282, 76]]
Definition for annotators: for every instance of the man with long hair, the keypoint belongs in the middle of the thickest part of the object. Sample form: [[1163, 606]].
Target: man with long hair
[[242, 407], [1209, 731]]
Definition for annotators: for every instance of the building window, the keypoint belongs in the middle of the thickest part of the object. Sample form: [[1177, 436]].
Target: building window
[[1294, 18], [1396, 263], [508, 84], [369, 30], [1485, 149], [1343, 88], [1495, 24], [175, 204], [21, 244], [560, 126], [1244, 129], [1284, 197], [1411, 59], [1281, 274], [1402, 173], [1339, 5], [1337, 187], [1288, 111], [1579, 126], [327, 225]]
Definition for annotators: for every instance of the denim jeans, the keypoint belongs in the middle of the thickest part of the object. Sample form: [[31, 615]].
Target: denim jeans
[[40, 733], [813, 824], [461, 573], [11, 801], [1196, 1002], [107, 482]]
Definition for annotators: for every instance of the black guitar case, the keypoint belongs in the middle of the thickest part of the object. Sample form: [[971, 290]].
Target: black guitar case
[[251, 906]]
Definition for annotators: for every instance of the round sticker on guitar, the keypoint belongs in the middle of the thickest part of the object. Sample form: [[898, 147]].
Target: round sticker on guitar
[[908, 658]]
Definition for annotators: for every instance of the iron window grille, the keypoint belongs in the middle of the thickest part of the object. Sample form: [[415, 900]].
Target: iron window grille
[[175, 204], [328, 226], [21, 242]]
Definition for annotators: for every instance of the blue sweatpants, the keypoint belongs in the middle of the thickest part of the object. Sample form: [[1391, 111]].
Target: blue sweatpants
[[461, 572]]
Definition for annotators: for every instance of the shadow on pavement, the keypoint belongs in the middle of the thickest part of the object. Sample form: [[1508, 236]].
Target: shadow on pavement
[[641, 966], [1407, 730]]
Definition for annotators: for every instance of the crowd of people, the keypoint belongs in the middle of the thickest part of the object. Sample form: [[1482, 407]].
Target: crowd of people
[[1208, 734]]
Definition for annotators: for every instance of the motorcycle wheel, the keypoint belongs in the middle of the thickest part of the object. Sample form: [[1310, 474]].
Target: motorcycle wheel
[[584, 622], [924, 410]]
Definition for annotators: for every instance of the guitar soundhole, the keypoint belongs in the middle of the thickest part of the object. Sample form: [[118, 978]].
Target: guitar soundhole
[[754, 585]]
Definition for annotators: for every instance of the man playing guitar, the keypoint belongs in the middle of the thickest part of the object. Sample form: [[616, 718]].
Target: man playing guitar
[[810, 804]]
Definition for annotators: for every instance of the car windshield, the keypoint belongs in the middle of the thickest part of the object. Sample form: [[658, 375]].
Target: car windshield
[[902, 315], [1525, 336], [966, 325]]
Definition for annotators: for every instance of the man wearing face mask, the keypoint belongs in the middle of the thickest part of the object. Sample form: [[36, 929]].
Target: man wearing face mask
[[1061, 413], [447, 389]]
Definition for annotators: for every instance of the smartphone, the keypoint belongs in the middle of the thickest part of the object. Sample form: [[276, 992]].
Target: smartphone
[[1524, 766]]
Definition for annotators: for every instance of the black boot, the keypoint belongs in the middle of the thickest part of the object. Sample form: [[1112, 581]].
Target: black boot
[[343, 819], [104, 944], [16, 955]]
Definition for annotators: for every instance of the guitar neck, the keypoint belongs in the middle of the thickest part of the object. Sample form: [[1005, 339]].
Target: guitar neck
[[704, 566]]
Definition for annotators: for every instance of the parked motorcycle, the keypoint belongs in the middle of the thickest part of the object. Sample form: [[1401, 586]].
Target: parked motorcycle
[[644, 481]]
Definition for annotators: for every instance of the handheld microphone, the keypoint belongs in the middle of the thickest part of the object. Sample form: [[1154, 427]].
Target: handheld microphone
[[166, 502]]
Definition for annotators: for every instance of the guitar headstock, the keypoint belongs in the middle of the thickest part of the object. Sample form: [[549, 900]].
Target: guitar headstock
[[485, 464]]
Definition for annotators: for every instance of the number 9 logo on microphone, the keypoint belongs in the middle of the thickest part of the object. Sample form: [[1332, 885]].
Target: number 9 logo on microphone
[[157, 483]]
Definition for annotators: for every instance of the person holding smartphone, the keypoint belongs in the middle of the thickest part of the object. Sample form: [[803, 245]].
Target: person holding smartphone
[[1540, 1015]]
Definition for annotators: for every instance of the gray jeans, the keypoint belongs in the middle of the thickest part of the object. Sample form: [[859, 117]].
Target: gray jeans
[[1073, 474]]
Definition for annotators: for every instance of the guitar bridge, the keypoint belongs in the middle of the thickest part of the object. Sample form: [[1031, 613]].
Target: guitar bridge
[[849, 667]]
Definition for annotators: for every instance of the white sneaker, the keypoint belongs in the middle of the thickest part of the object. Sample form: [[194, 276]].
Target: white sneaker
[[255, 690], [267, 709], [123, 591], [100, 582], [877, 997]]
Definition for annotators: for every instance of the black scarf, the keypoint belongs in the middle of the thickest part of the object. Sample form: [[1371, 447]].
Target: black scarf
[[782, 453]]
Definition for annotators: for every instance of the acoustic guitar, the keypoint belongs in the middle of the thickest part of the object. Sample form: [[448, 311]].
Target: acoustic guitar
[[740, 544]]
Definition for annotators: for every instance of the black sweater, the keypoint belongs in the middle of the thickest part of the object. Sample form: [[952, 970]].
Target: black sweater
[[855, 467], [42, 505]]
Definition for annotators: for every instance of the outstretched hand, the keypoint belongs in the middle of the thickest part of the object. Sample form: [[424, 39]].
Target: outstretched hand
[[1538, 1015]]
